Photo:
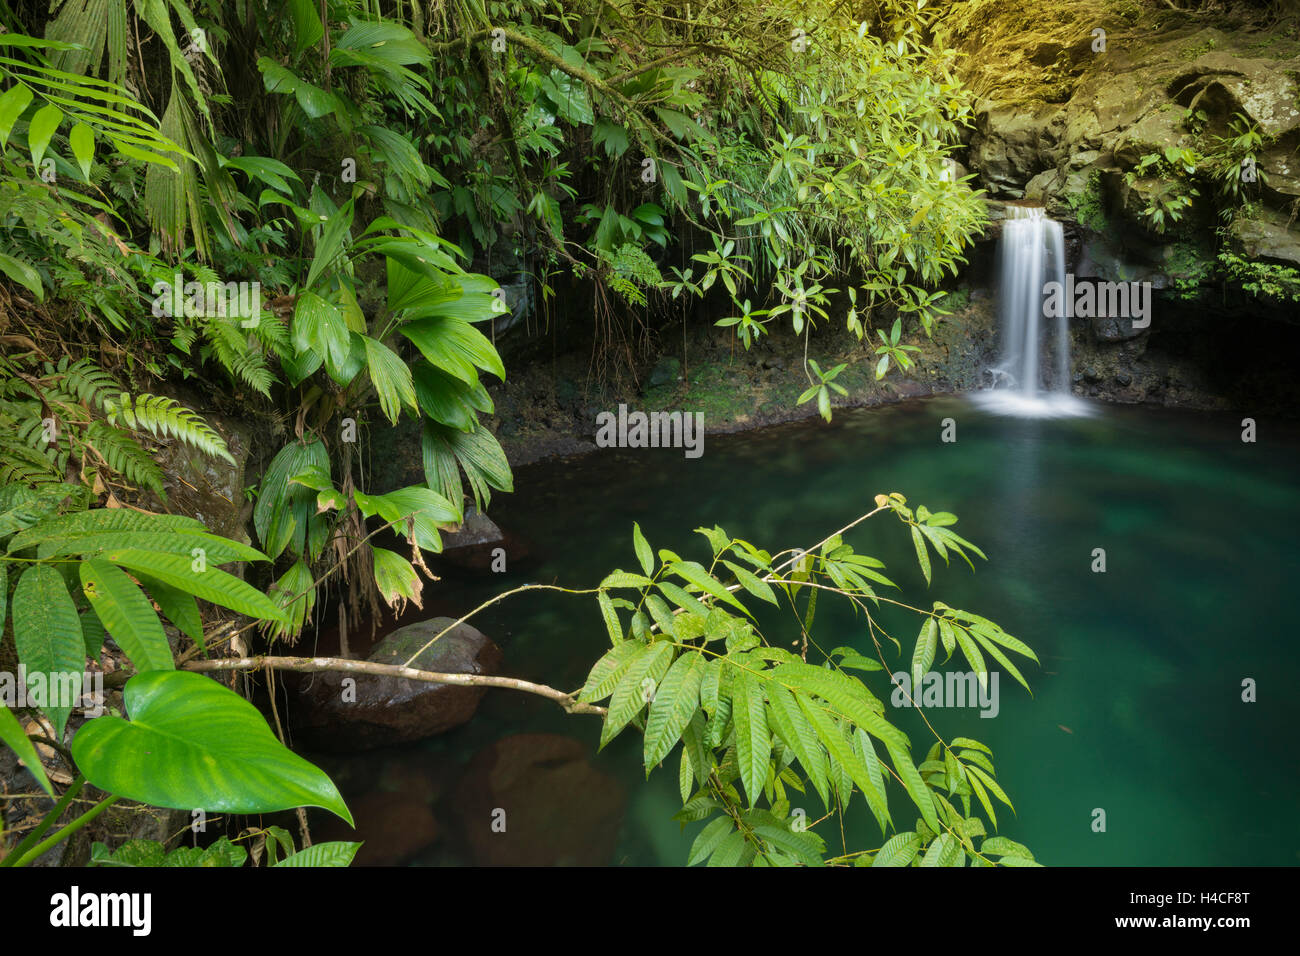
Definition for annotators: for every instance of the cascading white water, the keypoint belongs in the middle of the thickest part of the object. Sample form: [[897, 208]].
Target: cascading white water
[[1033, 374]]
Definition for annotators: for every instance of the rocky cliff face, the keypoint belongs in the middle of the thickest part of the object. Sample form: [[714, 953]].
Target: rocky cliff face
[[1108, 111]]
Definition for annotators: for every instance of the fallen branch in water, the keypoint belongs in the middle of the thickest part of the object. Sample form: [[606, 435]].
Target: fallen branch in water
[[338, 664]]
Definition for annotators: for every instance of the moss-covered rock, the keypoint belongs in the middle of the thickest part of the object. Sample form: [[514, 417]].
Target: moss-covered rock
[[1156, 81]]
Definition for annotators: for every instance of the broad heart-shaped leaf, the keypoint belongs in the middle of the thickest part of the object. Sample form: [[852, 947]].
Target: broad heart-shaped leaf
[[338, 853], [47, 634], [127, 615], [11, 732], [192, 744]]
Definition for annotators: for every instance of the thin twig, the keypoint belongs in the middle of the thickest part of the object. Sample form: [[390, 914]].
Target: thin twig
[[338, 664]]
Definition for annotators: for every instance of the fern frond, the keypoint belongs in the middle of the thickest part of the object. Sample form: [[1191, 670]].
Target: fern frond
[[164, 418], [230, 345], [272, 332], [123, 454], [630, 270], [21, 464], [89, 383]]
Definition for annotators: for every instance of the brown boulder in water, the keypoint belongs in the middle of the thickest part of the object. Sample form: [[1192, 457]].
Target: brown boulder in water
[[334, 715], [478, 544], [556, 808]]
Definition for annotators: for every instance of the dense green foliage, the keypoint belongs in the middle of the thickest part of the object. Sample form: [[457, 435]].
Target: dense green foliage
[[259, 201], [762, 728]]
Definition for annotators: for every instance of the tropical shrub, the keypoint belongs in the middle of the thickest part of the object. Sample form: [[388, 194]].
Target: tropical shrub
[[761, 727]]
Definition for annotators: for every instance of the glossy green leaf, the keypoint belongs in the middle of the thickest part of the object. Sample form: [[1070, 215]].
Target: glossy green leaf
[[753, 739], [610, 617], [609, 670], [637, 685], [797, 733], [23, 274], [395, 577], [751, 583], [709, 839], [337, 853], [82, 140], [944, 851], [318, 325], [391, 378], [675, 700], [45, 121], [923, 656], [916, 788], [11, 732], [211, 584], [643, 553], [12, 103], [127, 615], [47, 633], [695, 574], [192, 744], [899, 850], [922, 556]]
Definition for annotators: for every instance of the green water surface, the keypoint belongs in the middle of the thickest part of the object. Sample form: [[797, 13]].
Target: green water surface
[[1137, 707]]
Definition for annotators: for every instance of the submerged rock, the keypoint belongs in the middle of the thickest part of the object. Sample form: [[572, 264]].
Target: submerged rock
[[479, 543], [332, 714], [550, 807], [391, 827]]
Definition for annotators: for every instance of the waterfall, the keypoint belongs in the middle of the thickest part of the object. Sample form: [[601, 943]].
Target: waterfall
[[1032, 377]]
